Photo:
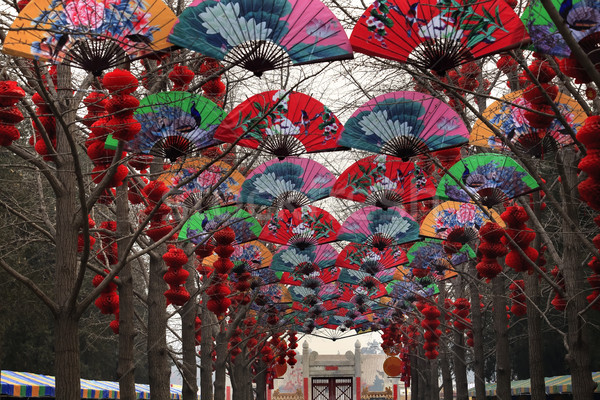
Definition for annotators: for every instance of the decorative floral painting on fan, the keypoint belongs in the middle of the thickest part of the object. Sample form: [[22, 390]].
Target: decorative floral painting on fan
[[302, 227], [429, 256], [404, 124], [282, 123], [201, 226], [379, 228], [91, 34], [199, 179], [457, 222], [437, 34], [289, 183], [383, 181], [263, 35], [250, 256], [304, 261], [582, 18], [174, 124], [507, 115], [489, 178], [370, 259]]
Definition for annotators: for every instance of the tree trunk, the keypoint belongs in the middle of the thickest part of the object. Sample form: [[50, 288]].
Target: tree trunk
[[67, 363], [261, 381], [446, 373], [534, 330], [126, 367], [444, 361], [478, 354], [159, 371], [422, 372], [414, 378], [220, 364], [188, 336], [239, 379], [206, 347], [460, 367], [434, 386], [502, 346], [578, 349]]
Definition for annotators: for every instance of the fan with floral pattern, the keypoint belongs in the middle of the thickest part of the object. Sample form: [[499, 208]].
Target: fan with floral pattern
[[289, 183], [404, 124]]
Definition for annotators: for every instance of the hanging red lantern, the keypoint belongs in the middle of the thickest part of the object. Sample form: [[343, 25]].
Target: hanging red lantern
[[392, 366]]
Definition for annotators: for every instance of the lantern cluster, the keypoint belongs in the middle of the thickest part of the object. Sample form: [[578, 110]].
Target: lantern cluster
[[432, 334], [108, 301], [202, 251], [517, 295], [10, 115], [154, 193], [292, 346], [558, 302], [589, 136], [108, 253], [219, 290], [181, 76], [47, 126], [491, 247], [391, 340], [234, 344], [80, 238], [594, 281], [121, 105], [198, 330], [515, 218], [540, 98], [462, 307], [214, 89], [176, 276]]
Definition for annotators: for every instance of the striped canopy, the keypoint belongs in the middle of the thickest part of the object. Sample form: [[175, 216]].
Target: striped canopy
[[25, 384]]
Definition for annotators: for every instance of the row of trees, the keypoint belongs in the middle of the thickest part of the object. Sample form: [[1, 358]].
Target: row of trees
[[49, 190]]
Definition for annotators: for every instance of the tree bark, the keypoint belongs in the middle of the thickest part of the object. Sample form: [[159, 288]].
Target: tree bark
[[444, 361], [502, 346], [206, 347], [220, 364], [414, 378], [434, 386], [534, 330], [159, 371], [188, 336], [460, 367], [126, 367], [578, 349], [478, 354], [67, 363], [261, 381]]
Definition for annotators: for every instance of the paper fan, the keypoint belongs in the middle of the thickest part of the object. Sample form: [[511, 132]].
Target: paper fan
[[202, 225], [303, 298], [370, 259], [199, 179], [282, 123], [383, 181], [489, 177], [437, 35], [456, 222], [290, 183], [174, 124], [509, 119], [91, 34], [410, 291], [404, 124], [248, 257], [304, 261], [305, 226], [263, 276], [581, 17], [379, 228], [262, 35], [430, 255]]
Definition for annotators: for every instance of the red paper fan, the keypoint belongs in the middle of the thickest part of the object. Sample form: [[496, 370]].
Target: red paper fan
[[383, 181], [282, 123], [308, 225], [437, 35]]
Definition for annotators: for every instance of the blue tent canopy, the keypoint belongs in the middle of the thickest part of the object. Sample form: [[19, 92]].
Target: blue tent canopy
[[25, 384]]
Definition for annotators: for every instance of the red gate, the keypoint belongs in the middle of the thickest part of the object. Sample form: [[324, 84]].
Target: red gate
[[331, 388]]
